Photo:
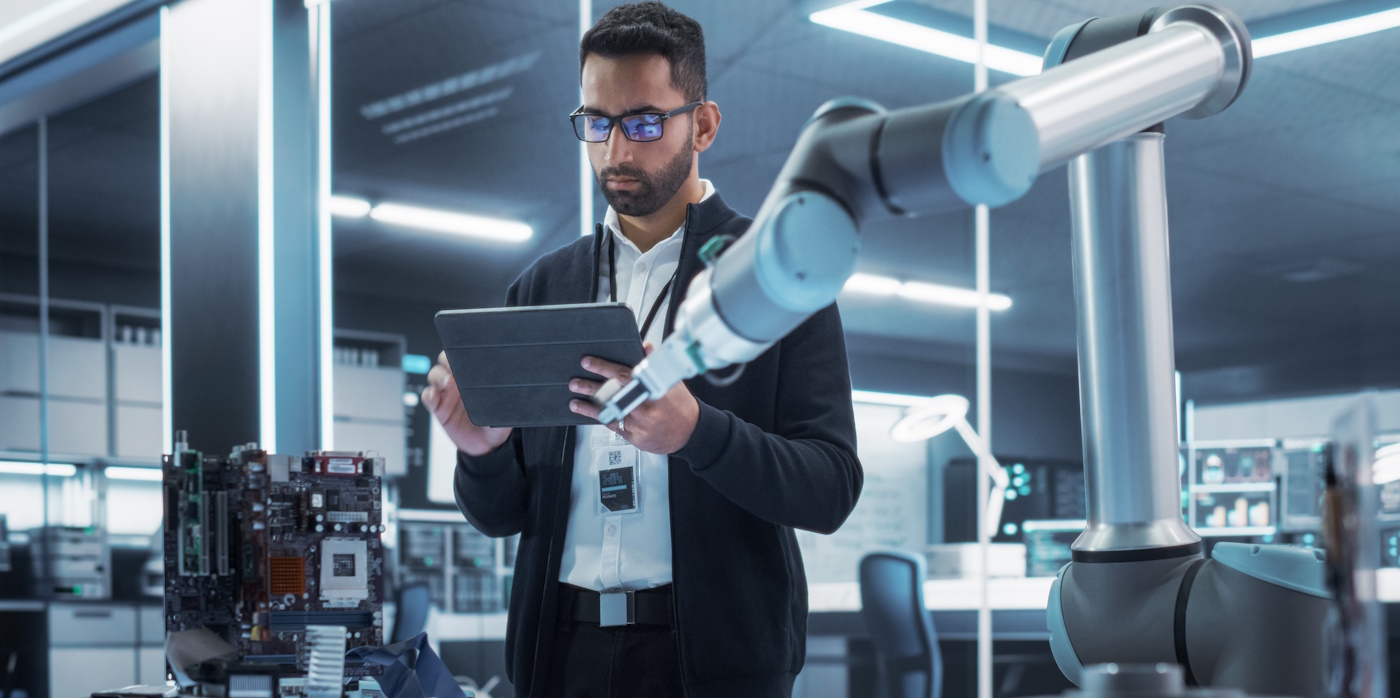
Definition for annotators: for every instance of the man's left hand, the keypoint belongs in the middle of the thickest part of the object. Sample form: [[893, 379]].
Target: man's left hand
[[662, 425]]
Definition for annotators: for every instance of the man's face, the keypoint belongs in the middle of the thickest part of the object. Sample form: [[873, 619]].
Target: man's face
[[637, 179]]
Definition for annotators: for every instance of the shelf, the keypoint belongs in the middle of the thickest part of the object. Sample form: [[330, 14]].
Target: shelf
[[1226, 487]]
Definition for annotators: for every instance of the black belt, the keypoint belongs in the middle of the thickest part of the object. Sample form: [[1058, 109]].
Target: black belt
[[616, 608]]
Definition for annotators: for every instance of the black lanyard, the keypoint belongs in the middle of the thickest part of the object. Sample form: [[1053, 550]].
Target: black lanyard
[[612, 284]]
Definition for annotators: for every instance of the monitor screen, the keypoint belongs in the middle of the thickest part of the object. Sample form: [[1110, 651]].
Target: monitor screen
[[1303, 466]]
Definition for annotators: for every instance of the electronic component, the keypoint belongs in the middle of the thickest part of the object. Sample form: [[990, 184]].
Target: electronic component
[[71, 562], [260, 548]]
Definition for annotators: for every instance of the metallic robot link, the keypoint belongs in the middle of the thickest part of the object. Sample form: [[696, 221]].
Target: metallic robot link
[[855, 163], [1139, 589]]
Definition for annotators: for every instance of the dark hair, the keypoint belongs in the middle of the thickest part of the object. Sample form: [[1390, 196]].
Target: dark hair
[[652, 28]]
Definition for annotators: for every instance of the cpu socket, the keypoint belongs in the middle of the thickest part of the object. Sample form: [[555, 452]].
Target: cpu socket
[[343, 573]]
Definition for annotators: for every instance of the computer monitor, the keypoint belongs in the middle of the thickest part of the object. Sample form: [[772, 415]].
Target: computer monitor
[[1041, 490], [1304, 463]]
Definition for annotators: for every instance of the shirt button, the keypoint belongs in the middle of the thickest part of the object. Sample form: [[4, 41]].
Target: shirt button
[[612, 530]]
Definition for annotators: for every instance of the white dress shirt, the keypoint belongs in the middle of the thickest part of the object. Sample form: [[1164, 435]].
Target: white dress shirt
[[631, 550]]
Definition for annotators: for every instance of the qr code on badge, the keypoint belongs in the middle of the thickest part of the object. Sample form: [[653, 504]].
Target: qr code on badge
[[614, 457]]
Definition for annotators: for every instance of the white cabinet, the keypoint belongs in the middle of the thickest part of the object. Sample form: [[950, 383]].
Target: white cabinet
[[76, 672], [388, 439], [76, 366], [139, 431], [92, 647], [76, 427], [369, 393], [151, 672], [136, 374]]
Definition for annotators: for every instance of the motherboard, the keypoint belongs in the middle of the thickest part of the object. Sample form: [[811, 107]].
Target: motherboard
[[260, 546]]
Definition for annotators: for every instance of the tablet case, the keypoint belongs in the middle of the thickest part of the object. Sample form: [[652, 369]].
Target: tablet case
[[513, 365]]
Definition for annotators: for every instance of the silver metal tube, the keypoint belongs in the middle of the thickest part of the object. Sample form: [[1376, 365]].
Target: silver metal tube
[[1122, 284], [1120, 90]]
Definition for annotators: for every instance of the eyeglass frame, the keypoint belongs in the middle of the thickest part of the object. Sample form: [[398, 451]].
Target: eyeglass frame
[[615, 121]]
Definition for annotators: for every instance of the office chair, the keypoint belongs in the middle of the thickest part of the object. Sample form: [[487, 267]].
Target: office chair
[[410, 611], [906, 645]]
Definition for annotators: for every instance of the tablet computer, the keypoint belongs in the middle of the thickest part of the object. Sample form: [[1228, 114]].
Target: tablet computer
[[513, 365]]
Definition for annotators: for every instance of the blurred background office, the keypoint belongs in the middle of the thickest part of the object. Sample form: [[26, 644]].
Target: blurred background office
[[194, 191]]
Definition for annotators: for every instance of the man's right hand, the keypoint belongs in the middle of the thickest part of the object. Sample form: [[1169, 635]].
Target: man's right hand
[[442, 399]]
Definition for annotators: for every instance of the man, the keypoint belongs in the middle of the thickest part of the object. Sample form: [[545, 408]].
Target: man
[[703, 554]]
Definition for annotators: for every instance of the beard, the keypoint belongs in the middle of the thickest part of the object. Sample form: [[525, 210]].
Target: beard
[[653, 189]]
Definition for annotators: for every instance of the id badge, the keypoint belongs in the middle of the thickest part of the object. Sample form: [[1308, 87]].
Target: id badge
[[619, 487]]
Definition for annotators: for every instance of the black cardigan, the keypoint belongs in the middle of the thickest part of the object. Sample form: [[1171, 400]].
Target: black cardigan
[[772, 452]]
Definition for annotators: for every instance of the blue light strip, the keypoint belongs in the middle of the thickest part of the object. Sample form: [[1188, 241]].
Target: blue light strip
[[585, 170], [321, 25], [166, 378], [267, 326]]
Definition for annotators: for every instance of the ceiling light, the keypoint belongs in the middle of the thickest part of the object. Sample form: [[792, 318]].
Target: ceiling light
[[854, 17], [871, 284], [348, 206], [449, 124], [456, 223], [116, 472], [461, 107], [450, 86], [1326, 33], [37, 18], [950, 295], [52, 469]]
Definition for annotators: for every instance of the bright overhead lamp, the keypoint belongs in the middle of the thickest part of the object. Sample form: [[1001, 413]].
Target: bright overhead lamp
[[874, 285], [1326, 33], [936, 415], [950, 295], [52, 469], [456, 223], [348, 206], [121, 472], [856, 18], [47, 13]]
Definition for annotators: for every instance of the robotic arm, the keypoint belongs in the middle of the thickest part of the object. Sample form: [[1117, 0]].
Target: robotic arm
[[1138, 589], [855, 163]]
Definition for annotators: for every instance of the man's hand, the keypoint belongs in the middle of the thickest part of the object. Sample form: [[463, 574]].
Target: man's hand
[[442, 399], [662, 425]]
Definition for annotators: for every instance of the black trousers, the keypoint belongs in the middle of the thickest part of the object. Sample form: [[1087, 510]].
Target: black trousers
[[641, 661]]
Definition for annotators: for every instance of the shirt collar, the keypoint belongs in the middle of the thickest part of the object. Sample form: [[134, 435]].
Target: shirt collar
[[614, 225]]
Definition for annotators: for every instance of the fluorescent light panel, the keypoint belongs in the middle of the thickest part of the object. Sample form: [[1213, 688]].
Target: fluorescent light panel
[[466, 224], [321, 20], [119, 472], [1326, 33], [52, 469], [348, 206], [874, 285], [167, 416], [853, 17], [39, 17], [267, 298], [585, 170]]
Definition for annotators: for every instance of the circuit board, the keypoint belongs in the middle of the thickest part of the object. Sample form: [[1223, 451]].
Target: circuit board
[[258, 546]]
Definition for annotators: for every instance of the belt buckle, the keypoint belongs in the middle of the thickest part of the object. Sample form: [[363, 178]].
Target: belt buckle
[[616, 608]]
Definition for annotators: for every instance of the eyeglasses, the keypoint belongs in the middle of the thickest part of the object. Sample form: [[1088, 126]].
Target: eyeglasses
[[640, 128]]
